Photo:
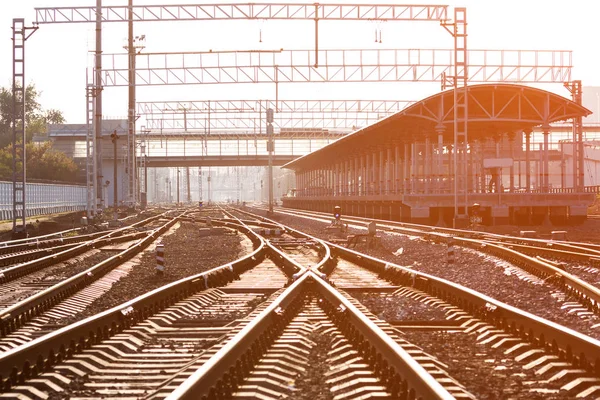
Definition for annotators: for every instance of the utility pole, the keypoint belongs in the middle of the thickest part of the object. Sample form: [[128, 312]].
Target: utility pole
[[178, 173], [134, 47], [19, 93], [132, 167], [270, 149], [200, 184], [187, 169], [114, 137], [98, 107], [208, 182]]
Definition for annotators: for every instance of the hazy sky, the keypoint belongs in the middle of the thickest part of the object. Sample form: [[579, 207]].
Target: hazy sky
[[57, 55]]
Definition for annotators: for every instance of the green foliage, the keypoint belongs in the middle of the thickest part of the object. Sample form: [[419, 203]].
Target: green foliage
[[42, 161], [36, 117]]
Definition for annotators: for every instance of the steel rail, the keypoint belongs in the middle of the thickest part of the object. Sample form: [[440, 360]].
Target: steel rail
[[202, 382], [576, 247], [562, 254], [42, 353], [41, 238], [37, 238], [32, 254], [24, 244], [290, 266], [567, 343], [326, 259], [587, 294], [18, 271], [49, 242], [12, 317]]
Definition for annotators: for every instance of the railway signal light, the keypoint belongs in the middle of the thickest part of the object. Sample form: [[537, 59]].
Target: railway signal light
[[337, 212]]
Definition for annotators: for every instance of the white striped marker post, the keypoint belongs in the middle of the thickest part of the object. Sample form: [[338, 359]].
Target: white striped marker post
[[451, 251], [160, 258]]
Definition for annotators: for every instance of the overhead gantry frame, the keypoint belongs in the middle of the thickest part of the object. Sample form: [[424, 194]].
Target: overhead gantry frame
[[456, 76], [203, 12], [340, 65]]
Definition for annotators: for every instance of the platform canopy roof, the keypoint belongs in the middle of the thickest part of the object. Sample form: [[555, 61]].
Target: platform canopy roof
[[493, 109]]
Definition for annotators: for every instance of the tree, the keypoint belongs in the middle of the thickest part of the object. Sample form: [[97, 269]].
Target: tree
[[43, 162], [36, 118]]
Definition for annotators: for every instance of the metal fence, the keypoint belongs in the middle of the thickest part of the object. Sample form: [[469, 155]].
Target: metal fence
[[43, 198]]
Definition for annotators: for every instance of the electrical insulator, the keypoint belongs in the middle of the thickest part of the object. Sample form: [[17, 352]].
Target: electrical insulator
[[269, 115]]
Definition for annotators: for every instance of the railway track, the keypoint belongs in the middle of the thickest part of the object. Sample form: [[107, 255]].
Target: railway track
[[533, 256], [286, 320], [33, 305]]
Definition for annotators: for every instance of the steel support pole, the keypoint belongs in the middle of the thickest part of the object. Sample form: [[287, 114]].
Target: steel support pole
[[578, 129], [388, 171], [546, 175], [440, 161], [115, 185], [200, 184], [188, 183], [146, 174], [511, 139], [528, 161], [396, 167], [270, 149], [178, 173], [427, 166], [19, 122], [91, 149], [208, 184], [270, 172], [406, 169], [132, 164], [98, 106]]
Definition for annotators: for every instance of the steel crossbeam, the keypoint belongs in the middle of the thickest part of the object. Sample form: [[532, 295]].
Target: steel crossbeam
[[377, 65], [246, 114], [200, 122], [203, 12], [281, 106]]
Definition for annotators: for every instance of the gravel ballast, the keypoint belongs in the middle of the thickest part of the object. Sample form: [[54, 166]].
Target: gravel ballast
[[485, 274], [187, 252]]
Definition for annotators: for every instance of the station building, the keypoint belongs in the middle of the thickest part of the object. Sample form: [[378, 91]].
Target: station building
[[408, 166]]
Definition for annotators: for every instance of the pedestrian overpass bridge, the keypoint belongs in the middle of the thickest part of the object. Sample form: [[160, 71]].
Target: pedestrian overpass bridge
[[194, 149]]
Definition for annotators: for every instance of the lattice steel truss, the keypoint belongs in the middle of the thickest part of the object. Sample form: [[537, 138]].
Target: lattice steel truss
[[358, 65], [19, 89], [90, 159], [575, 88], [203, 12], [247, 114], [459, 79]]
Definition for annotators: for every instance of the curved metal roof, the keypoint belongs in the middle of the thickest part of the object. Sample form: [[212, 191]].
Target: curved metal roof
[[493, 109]]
